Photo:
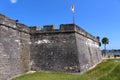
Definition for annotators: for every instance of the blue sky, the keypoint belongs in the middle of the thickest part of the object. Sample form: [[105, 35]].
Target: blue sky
[[98, 17]]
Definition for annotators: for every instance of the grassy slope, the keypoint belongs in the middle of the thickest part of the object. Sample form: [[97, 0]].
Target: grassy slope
[[108, 70]]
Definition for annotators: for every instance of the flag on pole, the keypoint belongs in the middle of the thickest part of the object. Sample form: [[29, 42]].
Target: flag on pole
[[72, 8]]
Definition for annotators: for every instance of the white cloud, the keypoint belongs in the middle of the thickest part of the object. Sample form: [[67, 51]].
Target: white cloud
[[13, 1]]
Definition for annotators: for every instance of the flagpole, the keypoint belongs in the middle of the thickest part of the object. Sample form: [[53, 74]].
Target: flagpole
[[73, 14], [73, 18]]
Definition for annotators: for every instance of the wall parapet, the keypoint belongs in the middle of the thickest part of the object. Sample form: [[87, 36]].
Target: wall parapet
[[10, 23], [64, 28]]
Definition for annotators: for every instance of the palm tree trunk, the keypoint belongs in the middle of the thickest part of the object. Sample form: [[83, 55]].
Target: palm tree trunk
[[105, 48]]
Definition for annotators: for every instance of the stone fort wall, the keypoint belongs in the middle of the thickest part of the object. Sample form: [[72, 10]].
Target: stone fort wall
[[22, 48], [14, 48], [68, 49]]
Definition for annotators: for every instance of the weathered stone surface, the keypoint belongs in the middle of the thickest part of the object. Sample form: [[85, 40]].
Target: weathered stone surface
[[22, 48], [88, 52], [56, 52], [70, 49], [14, 50]]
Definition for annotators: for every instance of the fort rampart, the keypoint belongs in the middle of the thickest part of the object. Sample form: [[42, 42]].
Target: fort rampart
[[23, 48], [14, 48]]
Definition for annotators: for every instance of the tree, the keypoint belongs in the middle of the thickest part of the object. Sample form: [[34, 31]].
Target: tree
[[99, 40], [105, 41]]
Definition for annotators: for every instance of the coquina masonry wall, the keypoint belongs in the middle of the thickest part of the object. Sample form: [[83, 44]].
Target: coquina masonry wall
[[69, 49], [88, 49], [14, 48], [22, 48], [54, 52]]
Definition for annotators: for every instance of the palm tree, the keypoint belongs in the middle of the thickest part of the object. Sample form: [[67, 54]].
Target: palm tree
[[105, 41]]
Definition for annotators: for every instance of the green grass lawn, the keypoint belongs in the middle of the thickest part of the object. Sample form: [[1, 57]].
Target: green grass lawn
[[107, 70]]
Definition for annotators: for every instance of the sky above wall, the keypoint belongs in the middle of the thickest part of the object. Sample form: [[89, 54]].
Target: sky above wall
[[98, 17]]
